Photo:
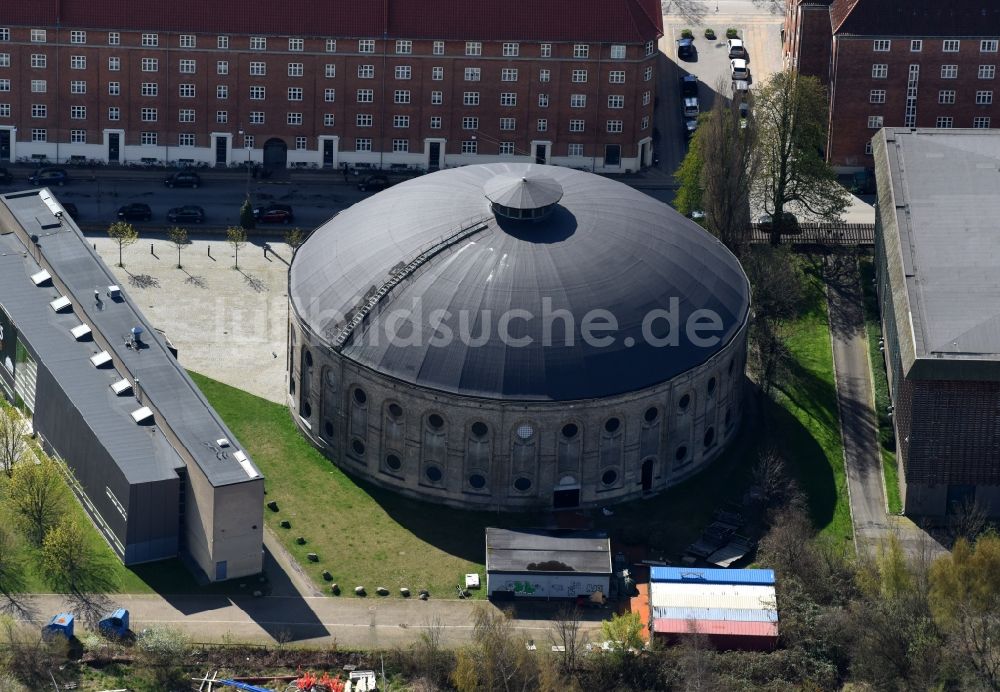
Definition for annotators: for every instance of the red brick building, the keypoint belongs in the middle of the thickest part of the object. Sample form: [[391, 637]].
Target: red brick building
[[430, 84], [922, 63]]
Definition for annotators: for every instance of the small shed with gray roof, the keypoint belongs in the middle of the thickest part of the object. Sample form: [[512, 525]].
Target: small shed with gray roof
[[538, 563]]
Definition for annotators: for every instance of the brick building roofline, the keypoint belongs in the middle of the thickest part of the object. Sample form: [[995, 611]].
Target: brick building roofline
[[916, 18]]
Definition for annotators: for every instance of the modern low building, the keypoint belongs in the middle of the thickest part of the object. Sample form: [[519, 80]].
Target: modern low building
[[153, 464], [516, 336], [419, 83], [939, 298], [922, 63], [536, 563]]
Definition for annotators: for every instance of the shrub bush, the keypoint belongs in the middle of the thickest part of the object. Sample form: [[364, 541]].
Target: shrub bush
[[710, 34], [732, 33], [687, 33]]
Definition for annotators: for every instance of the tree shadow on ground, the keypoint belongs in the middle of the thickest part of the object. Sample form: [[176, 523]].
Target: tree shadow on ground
[[256, 284], [692, 11], [143, 281]]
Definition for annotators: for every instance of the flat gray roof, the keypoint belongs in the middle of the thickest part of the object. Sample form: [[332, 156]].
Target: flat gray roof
[[540, 550], [939, 206], [163, 383]]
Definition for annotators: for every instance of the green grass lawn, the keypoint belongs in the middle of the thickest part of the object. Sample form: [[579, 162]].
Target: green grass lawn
[[886, 434]]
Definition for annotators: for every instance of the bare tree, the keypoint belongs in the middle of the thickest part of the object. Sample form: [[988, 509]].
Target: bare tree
[[968, 519], [498, 659], [11, 439], [28, 656], [696, 664], [179, 238], [566, 634], [236, 236]]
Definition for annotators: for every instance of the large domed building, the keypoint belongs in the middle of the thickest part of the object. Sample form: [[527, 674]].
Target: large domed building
[[515, 336]]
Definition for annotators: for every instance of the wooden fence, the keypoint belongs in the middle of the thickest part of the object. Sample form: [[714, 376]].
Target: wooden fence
[[820, 234]]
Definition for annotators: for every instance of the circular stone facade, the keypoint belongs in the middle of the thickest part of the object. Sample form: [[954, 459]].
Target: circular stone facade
[[517, 336]]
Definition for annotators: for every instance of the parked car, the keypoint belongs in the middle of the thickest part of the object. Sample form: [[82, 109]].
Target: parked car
[[274, 213], [689, 85], [188, 214], [136, 211], [690, 125], [71, 210], [744, 113], [741, 88], [739, 69], [5, 177], [685, 49], [183, 179], [736, 48], [375, 182], [789, 224], [49, 176]]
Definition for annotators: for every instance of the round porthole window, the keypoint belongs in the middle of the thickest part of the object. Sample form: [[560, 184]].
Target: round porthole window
[[328, 428], [477, 481], [525, 431], [359, 447], [711, 385], [307, 409], [682, 452], [570, 430], [360, 396], [609, 477], [480, 429], [395, 411], [433, 474], [651, 414], [435, 421], [522, 484], [309, 359], [393, 462], [684, 402], [709, 437], [612, 424]]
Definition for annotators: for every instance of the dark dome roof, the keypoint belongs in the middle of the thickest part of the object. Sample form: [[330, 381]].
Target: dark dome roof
[[433, 244]]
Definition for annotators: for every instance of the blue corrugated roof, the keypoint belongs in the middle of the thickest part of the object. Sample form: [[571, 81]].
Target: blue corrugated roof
[[727, 614], [693, 575]]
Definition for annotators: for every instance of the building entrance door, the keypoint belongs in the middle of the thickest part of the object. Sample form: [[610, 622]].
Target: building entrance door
[[539, 153], [434, 157], [647, 475], [275, 154], [5, 146], [612, 155], [114, 147], [221, 150], [327, 153]]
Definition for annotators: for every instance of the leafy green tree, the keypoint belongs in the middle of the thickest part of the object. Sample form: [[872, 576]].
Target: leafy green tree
[[12, 564], [237, 237], [294, 238], [689, 194], [38, 496], [71, 561], [124, 234], [791, 112], [624, 632], [247, 219], [11, 438], [179, 238]]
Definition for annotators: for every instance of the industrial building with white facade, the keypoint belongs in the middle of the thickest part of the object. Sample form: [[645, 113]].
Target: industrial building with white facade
[[154, 465], [516, 336]]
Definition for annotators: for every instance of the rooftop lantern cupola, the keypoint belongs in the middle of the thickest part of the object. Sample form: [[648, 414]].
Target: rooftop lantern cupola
[[523, 197]]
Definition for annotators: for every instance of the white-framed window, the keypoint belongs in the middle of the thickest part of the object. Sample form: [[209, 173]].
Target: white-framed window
[[647, 73], [296, 45], [577, 100], [150, 40], [295, 93], [508, 74], [185, 115], [222, 91], [868, 147], [364, 120], [293, 119], [258, 43], [576, 125], [331, 45], [543, 100], [470, 146], [472, 74], [578, 76], [114, 113], [437, 98], [650, 48], [114, 64], [222, 67], [248, 140], [916, 45], [258, 69], [575, 150], [436, 122], [38, 35], [366, 45], [329, 119], [39, 134], [511, 50], [301, 143], [114, 88], [946, 96], [401, 96], [950, 45], [473, 48], [987, 71], [4, 59], [545, 50], [38, 60], [881, 45], [222, 117], [148, 138], [506, 148], [4, 34], [874, 122], [147, 115], [876, 96], [617, 52], [437, 74], [404, 47], [400, 121], [470, 123], [222, 42], [944, 122], [544, 75], [403, 72], [77, 36], [114, 38], [647, 98], [366, 71], [581, 50], [616, 77], [39, 86], [366, 95], [616, 101], [149, 89], [989, 45], [78, 112], [507, 124], [78, 136], [256, 118], [4, 85], [508, 98], [257, 93], [187, 66], [329, 95], [437, 48], [949, 72], [542, 125], [981, 122], [188, 41], [78, 62], [296, 69], [363, 144], [78, 86], [185, 139], [984, 98], [614, 126], [186, 91], [4, 110], [644, 123], [880, 71], [329, 70], [150, 65]]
